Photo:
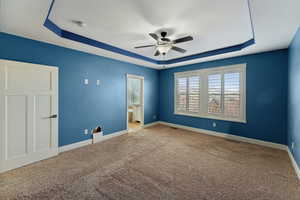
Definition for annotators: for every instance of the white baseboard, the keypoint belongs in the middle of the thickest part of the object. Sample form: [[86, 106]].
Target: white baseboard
[[89, 141], [228, 136], [294, 163], [75, 145], [151, 124], [112, 135]]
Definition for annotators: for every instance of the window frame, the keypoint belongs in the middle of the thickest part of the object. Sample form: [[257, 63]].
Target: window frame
[[204, 73]]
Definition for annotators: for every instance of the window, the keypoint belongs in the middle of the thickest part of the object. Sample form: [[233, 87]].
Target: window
[[217, 93], [193, 94], [188, 94], [232, 94], [181, 97], [214, 93], [134, 88]]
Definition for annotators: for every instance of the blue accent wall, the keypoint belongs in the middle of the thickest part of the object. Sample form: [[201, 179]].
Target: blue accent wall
[[294, 97], [266, 96], [85, 106]]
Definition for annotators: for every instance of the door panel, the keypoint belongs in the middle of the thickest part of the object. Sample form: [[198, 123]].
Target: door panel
[[16, 123], [17, 79], [43, 123], [28, 97], [28, 79], [42, 80]]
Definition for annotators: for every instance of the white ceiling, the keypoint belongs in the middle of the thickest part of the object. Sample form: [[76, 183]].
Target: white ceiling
[[125, 24]]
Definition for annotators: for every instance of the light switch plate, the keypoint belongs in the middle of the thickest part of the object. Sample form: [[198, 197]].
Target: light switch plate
[[98, 82], [86, 81], [214, 124], [86, 131]]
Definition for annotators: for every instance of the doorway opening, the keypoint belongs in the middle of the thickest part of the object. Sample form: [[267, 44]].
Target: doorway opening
[[135, 102]]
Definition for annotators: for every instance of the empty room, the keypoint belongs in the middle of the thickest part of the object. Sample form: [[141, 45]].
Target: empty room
[[140, 99]]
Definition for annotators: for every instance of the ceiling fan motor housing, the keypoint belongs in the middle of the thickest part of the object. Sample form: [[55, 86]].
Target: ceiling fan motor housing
[[163, 34]]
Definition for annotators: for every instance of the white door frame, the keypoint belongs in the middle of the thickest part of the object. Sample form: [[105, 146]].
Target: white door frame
[[142, 97]]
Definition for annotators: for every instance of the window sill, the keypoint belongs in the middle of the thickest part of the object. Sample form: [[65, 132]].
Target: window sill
[[211, 117]]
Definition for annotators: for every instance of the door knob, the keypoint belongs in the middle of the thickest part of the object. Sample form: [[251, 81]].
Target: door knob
[[53, 116]]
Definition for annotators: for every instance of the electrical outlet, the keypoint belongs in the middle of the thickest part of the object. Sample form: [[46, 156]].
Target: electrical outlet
[[86, 81], [86, 131], [214, 124], [293, 145], [98, 82]]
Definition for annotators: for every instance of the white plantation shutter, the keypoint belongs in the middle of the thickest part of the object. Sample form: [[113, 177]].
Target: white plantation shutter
[[224, 96], [188, 94], [232, 104], [217, 93], [181, 94], [193, 94]]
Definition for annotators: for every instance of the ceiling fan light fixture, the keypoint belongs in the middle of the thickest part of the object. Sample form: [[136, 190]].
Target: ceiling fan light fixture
[[164, 45], [163, 49]]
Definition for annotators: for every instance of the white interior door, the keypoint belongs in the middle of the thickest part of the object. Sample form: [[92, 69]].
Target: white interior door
[[28, 105]]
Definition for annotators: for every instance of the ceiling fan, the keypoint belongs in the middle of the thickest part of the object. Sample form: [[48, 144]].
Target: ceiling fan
[[164, 44]]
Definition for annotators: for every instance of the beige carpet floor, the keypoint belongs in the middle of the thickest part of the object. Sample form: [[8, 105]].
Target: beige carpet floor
[[158, 163], [132, 126]]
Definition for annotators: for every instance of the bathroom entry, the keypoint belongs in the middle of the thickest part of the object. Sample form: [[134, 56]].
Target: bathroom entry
[[135, 102]]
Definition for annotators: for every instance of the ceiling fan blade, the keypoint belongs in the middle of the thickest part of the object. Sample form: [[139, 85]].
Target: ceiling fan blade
[[157, 53], [151, 45], [165, 39], [178, 49], [154, 36], [184, 39]]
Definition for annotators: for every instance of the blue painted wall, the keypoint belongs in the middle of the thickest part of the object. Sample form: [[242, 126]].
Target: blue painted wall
[[294, 97], [266, 94], [85, 106]]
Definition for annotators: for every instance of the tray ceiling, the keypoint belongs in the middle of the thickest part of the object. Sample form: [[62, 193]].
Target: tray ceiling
[[126, 24], [213, 24]]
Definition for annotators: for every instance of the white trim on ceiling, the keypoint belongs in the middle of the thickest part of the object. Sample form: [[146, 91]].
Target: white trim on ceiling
[[266, 25]]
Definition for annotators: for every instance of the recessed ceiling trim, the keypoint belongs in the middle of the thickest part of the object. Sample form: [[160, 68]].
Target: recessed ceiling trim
[[82, 39]]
